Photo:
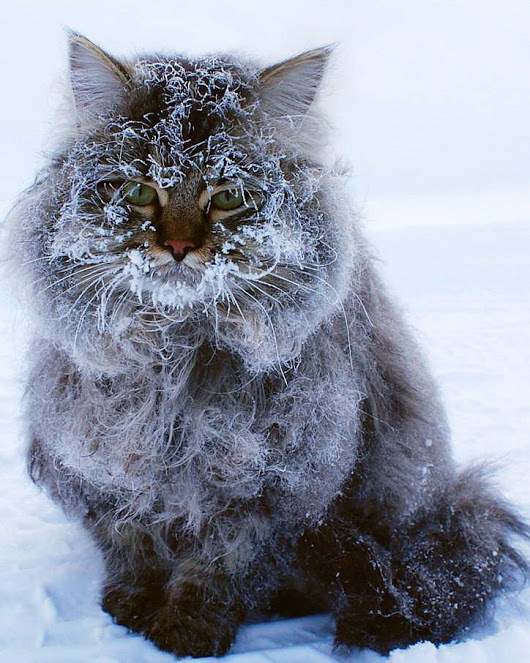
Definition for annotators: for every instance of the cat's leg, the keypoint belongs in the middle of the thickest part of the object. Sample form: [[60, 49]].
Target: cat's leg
[[197, 619], [133, 598], [187, 610], [188, 620], [134, 585], [432, 578], [135, 576], [130, 605]]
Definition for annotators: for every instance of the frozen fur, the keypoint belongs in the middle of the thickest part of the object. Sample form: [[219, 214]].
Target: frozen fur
[[251, 428]]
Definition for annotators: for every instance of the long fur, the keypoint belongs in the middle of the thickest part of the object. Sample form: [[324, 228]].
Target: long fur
[[258, 429]]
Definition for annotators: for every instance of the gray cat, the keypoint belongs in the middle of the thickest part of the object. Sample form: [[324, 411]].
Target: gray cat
[[220, 388]]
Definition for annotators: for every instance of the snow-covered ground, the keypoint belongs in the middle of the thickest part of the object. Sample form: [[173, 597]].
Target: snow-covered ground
[[466, 291], [430, 101]]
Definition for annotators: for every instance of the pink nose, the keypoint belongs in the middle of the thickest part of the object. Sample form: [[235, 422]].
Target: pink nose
[[179, 247]]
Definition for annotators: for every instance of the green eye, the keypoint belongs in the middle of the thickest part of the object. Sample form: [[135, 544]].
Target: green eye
[[137, 193], [227, 199]]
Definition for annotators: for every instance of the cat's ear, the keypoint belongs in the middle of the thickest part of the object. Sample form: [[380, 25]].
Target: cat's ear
[[289, 88], [98, 80]]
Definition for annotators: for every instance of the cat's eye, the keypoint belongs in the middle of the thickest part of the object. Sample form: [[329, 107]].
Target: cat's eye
[[227, 199], [137, 193]]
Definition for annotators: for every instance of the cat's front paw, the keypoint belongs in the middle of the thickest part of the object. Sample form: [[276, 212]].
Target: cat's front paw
[[132, 607], [199, 634]]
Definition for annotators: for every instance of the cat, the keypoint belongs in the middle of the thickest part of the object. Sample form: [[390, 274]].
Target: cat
[[220, 388]]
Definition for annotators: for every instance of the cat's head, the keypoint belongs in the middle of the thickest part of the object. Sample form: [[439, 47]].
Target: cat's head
[[193, 189]]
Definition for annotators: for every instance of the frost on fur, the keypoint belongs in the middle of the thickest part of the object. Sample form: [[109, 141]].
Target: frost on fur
[[249, 420]]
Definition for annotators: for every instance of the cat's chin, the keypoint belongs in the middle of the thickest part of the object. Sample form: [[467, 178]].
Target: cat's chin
[[172, 270], [183, 286], [170, 286]]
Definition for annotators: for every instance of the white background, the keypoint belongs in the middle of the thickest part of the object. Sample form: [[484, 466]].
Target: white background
[[430, 101]]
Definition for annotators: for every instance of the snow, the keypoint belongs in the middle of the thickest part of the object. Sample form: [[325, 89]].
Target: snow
[[431, 105], [465, 291]]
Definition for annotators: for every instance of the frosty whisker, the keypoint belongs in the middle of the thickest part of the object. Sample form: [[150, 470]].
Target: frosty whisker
[[271, 327]]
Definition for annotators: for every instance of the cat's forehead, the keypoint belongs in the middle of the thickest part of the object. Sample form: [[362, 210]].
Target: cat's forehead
[[184, 117], [197, 77], [181, 88]]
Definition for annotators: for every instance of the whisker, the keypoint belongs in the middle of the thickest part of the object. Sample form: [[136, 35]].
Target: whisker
[[273, 331], [34, 260], [268, 284], [78, 327], [90, 269], [91, 279]]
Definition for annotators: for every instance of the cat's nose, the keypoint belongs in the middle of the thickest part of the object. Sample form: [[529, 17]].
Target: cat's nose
[[179, 247]]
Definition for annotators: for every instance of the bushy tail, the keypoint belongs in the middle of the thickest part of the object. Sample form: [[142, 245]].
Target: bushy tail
[[456, 557], [433, 579]]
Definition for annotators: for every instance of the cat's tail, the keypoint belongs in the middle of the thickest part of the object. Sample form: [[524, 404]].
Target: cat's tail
[[448, 565], [469, 534], [436, 576]]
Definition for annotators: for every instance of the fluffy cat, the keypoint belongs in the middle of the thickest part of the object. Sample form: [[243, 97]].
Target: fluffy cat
[[220, 388]]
